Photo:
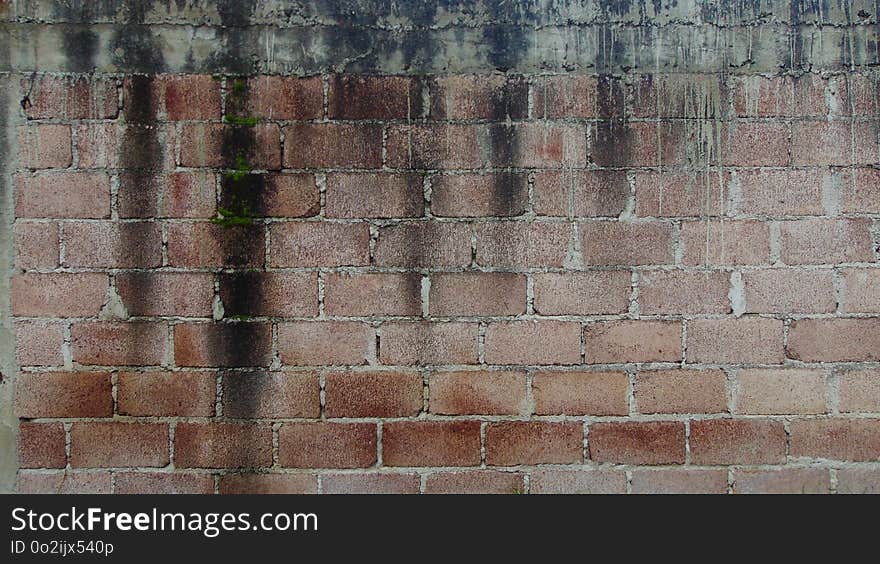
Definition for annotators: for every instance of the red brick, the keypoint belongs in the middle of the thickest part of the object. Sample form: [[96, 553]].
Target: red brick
[[58, 294], [206, 245], [677, 95], [423, 245], [758, 96], [204, 145], [268, 484], [258, 293], [190, 194], [861, 290], [609, 342], [826, 241], [674, 292], [299, 244], [373, 394], [522, 245], [755, 144], [859, 390], [374, 97], [110, 244], [475, 482], [423, 343], [320, 145], [186, 97], [64, 482], [630, 442], [97, 146], [478, 393], [577, 482], [45, 146], [327, 445], [276, 97], [581, 393], [146, 146], [166, 394], [679, 481], [581, 193], [71, 97], [249, 395], [830, 340], [63, 394], [821, 143], [566, 96], [862, 195], [735, 340], [118, 343], [724, 242], [171, 294], [38, 343], [617, 143], [325, 342], [291, 195], [222, 445], [477, 293], [41, 445], [502, 194], [534, 442], [737, 441], [361, 195], [533, 342], [431, 443], [536, 145], [864, 94], [222, 344], [783, 192], [107, 445], [36, 245], [789, 291], [858, 481], [782, 481], [163, 483], [370, 483], [63, 195], [670, 194], [780, 392], [582, 293], [625, 243], [373, 294], [494, 97], [681, 391], [857, 440]]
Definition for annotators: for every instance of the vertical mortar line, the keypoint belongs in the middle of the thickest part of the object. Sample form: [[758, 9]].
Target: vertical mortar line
[[832, 391], [687, 441], [731, 388], [483, 426], [379, 450], [632, 407]]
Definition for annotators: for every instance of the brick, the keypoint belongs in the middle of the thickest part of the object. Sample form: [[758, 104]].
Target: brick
[[674, 292], [609, 342], [821, 143], [45, 146], [755, 144], [370, 483], [475, 482], [783, 192], [503, 194], [222, 445], [145, 146], [205, 245], [166, 394], [189, 97], [862, 195], [221, 145], [625, 243], [423, 245], [758, 96], [222, 344], [581, 193], [859, 391], [36, 245], [522, 245], [372, 294], [431, 443], [58, 294], [374, 97], [250, 395], [533, 342], [830, 340], [63, 394], [259, 293], [268, 484], [569, 96], [360, 195], [477, 293], [38, 343], [861, 290], [865, 143], [494, 97], [648, 443], [677, 95], [70, 97], [64, 482], [577, 482], [671, 194], [737, 441], [582, 293], [163, 483], [303, 244], [322, 145], [327, 445], [97, 146], [826, 241], [325, 342], [116, 444], [735, 340], [681, 391], [119, 343], [372, 394], [190, 194], [534, 442], [780, 392], [789, 291], [855, 440], [724, 242], [171, 294], [782, 481], [679, 481], [276, 97], [41, 445], [425, 343], [620, 143], [109, 244], [291, 195], [858, 481], [478, 393], [864, 95], [581, 393], [70, 195]]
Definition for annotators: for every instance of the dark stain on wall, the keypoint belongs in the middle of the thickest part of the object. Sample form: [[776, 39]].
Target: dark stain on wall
[[508, 103]]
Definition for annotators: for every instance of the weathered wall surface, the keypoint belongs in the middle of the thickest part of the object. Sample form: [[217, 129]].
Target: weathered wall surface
[[539, 246]]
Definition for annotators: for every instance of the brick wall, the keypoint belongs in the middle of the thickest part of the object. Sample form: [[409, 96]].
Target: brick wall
[[493, 283]]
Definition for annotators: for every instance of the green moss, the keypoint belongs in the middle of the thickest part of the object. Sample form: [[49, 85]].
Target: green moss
[[239, 85], [242, 121]]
